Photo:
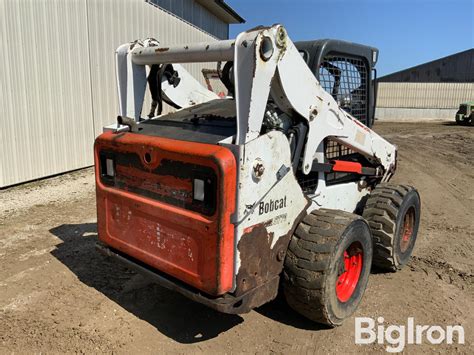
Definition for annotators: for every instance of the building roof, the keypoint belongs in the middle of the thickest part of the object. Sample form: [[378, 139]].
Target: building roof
[[457, 67], [222, 10]]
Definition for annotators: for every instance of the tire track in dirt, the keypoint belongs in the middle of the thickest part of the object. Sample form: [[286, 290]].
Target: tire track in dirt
[[72, 299], [431, 160]]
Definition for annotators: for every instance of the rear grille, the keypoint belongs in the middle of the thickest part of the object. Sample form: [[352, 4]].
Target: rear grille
[[171, 182]]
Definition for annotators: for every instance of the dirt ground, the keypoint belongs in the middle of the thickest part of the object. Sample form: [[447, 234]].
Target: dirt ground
[[57, 294]]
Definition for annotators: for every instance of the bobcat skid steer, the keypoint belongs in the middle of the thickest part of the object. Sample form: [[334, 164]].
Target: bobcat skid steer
[[279, 185]]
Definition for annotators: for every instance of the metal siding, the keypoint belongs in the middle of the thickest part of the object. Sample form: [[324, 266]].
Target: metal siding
[[456, 68], [113, 22], [46, 101], [197, 15], [424, 95], [57, 77], [3, 94]]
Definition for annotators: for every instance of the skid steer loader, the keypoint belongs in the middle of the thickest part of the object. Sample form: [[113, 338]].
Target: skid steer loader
[[279, 185]]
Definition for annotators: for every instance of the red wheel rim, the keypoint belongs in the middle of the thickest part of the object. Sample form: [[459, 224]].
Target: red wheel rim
[[407, 229], [350, 269]]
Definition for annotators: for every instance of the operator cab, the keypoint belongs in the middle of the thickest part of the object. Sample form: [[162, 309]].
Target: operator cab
[[347, 71]]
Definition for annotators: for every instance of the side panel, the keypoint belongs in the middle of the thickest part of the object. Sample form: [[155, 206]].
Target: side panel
[[147, 211], [269, 208]]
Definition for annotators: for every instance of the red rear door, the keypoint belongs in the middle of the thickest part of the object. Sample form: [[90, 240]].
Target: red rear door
[[168, 204]]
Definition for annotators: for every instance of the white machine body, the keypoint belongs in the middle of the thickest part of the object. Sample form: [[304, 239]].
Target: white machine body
[[267, 65]]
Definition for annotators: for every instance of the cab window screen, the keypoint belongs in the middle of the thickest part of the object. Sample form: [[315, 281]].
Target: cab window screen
[[345, 78]]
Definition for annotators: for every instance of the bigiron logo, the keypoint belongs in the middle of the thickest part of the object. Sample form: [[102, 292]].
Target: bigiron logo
[[272, 205], [397, 336]]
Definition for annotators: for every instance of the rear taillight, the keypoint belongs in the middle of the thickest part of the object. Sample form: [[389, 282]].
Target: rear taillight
[[204, 192], [107, 168], [198, 190]]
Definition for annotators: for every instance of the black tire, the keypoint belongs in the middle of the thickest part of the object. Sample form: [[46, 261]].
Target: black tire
[[387, 210], [314, 263]]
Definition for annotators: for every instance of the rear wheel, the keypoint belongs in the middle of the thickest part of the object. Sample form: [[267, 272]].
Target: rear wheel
[[393, 213], [327, 265]]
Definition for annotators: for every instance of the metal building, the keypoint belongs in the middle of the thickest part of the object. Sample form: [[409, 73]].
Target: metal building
[[57, 79], [432, 90]]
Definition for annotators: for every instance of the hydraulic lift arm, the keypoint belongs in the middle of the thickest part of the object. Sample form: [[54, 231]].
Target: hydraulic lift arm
[[266, 64]]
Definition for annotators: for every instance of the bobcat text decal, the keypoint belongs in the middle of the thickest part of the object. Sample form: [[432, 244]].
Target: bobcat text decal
[[273, 205]]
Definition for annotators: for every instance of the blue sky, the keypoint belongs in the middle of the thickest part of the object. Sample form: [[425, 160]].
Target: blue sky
[[407, 32]]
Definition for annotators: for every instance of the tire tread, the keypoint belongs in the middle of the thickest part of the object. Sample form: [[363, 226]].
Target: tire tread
[[381, 210], [308, 261]]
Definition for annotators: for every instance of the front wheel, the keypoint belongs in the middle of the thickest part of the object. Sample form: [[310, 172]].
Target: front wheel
[[327, 266], [393, 213]]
